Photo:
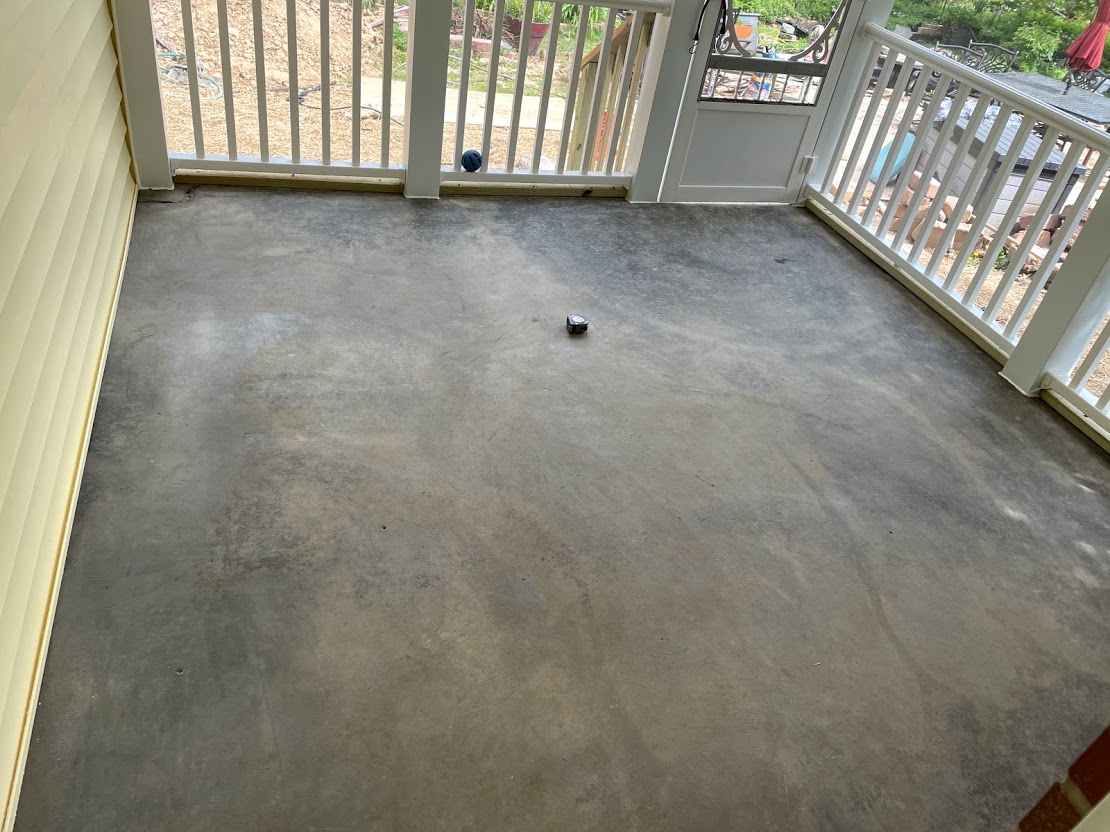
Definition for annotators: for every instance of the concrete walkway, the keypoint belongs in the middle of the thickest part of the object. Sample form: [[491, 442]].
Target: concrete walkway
[[367, 542], [475, 105]]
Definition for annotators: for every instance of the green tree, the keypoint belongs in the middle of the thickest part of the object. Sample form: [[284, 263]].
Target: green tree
[[1040, 30]]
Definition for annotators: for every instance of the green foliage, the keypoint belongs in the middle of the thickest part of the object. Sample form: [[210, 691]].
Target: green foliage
[[769, 10], [571, 13], [1037, 46], [541, 12], [769, 35], [1040, 30]]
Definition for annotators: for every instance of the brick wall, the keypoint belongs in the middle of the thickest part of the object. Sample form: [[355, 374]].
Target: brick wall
[[1067, 803]]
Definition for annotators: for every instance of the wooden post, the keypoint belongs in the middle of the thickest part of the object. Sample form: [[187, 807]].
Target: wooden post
[[600, 143], [425, 94], [638, 68], [587, 78]]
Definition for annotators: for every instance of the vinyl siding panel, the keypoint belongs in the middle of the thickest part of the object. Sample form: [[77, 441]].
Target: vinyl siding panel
[[67, 197]]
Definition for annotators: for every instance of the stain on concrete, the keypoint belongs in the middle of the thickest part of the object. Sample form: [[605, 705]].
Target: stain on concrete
[[773, 548]]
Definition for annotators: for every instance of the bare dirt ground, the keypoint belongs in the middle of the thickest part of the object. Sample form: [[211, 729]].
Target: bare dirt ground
[[244, 90]]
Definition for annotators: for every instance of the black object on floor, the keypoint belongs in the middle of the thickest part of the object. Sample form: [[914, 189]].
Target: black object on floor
[[576, 324]]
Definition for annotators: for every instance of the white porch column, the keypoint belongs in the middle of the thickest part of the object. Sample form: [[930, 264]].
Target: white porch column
[[1070, 312], [837, 116], [133, 33], [425, 93], [667, 71]]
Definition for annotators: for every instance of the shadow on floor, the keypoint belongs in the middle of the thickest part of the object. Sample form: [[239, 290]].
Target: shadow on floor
[[367, 542]]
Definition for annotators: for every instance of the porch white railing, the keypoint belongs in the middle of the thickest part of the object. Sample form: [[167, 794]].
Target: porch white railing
[[981, 198], [376, 98], [256, 136], [587, 142]]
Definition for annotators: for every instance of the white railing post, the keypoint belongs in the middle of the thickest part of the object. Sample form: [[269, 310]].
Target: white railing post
[[142, 96], [425, 93], [666, 75], [1071, 310], [839, 116]]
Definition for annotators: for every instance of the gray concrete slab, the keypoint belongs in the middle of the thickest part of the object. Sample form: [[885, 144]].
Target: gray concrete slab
[[367, 542]]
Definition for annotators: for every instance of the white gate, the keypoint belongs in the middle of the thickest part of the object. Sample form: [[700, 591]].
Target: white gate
[[752, 114]]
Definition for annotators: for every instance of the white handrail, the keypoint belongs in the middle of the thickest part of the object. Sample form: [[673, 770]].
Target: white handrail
[[1066, 123]]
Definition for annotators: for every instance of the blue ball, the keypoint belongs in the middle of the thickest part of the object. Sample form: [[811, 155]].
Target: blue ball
[[471, 161]]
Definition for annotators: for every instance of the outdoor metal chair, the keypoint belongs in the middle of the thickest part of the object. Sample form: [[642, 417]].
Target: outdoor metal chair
[[963, 54], [1093, 81], [995, 58], [966, 55]]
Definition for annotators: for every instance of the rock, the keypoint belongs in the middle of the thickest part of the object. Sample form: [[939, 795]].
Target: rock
[[937, 231], [958, 239], [1044, 239], [919, 219], [930, 191], [1035, 259], [949, 207], [900, 215], [868, 188], [934, 234]]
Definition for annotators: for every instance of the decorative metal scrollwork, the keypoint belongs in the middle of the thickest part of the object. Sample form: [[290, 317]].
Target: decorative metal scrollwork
[[1092, 80], [728, 42]]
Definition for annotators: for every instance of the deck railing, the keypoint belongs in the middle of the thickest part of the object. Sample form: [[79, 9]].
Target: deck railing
[[240, 136], [979, 197], [327, 90], [546, 146]]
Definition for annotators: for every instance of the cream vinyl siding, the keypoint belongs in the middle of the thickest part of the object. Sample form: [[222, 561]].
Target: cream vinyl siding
[[66, 202]]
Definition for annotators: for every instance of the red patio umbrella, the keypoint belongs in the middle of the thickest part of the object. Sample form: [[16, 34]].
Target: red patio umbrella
[[1085, 53]]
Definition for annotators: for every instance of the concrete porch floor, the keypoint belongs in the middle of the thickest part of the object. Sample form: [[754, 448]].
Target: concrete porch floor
[[367, 542]]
